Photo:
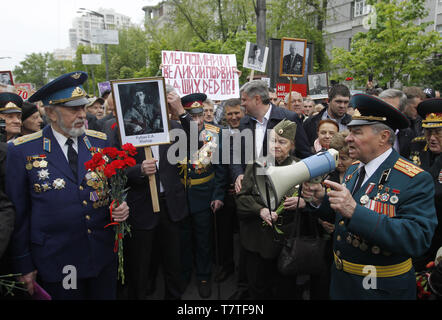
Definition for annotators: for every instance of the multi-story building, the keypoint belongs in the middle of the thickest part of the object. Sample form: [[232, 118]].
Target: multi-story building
[[82, 29], [348, 17], [158, 13]]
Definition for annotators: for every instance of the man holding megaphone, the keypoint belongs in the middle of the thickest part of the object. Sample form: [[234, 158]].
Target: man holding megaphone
[[384, 209]]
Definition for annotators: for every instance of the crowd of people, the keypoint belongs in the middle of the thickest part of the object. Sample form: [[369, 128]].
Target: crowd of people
[[380, 207]]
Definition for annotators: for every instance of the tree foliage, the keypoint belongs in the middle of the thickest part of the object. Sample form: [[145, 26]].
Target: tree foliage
[[396, 47]]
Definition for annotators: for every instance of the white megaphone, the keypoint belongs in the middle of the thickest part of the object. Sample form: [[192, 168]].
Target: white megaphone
[[273, 182]]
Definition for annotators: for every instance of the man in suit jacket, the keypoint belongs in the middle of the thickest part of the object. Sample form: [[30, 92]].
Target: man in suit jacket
[[7, 212], [148, 226], [59, 236], [292, 63], [385, 212], [261, 117]]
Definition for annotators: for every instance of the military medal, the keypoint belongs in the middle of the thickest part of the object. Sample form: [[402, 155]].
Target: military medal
[[58, 184], [440, 176], [375, 250], [36, 164], [43, 174], [37, 188], [43, 164], [364, 199], [45, 187], [363, 246], [394, 198], [29, 166], [93, 196], [385, 197]]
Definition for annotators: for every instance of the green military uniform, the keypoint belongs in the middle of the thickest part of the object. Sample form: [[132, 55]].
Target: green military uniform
[[431, 112], [394, 219], [205, 180]]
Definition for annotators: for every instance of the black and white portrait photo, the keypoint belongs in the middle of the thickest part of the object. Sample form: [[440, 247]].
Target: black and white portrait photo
[[318, 84], [292, 57], [255, 57], [6, 78], [141, 109]]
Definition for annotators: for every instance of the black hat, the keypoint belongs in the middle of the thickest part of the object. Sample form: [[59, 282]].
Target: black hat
[[431, 112], [67, 90], [193, 103], [429, 92], [28, 110], [371, 110], [10, 102]]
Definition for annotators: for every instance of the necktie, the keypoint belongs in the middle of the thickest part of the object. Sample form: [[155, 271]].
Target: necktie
[[72, 156], [360, 179]]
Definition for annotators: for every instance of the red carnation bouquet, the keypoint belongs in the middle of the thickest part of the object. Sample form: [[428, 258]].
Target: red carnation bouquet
[[109, 166]]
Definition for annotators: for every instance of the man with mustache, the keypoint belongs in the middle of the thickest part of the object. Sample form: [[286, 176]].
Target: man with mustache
[[60, 239], [385, 212]]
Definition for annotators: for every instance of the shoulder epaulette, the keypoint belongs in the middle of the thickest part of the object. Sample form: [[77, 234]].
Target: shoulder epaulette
[[211, 127], [419, 139], [407, 167], [356, 162], [27, 138], [96, 134]]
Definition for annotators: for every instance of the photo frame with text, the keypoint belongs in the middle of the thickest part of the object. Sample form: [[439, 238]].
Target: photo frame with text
[[292, 62], [142, 112]]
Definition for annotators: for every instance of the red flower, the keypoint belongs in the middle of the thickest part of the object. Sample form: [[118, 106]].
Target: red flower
[[111, 152], [130, 149], [130, 162], [348, 78], [118, 164], [109, 170], [96, 161], [430, 265], [122, 155]]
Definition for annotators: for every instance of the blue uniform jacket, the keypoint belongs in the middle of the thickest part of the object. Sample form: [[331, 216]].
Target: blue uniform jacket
[[404, 230], [56, 227]]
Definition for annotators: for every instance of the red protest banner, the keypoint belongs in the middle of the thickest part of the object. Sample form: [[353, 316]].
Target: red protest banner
[[282, 89]]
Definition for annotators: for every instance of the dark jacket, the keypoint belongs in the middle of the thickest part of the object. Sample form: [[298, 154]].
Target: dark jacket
[[311, 125], [276, 115], [139, 198], [7, 212], [255, 236]]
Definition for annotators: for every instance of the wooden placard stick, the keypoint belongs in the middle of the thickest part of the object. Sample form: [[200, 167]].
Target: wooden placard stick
[[290, 94], [152, 183], [252, 75]]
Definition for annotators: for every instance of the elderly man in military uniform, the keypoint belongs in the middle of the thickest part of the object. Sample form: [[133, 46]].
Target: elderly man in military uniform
[[11, 111], [385, 211], [205, 181], [59, 238], [426, 152]]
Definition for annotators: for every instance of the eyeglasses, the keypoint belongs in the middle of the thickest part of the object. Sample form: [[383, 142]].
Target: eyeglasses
[[436, 132]]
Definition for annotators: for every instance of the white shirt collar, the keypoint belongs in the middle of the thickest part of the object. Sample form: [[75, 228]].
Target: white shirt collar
[[62, 139], [374, 164]]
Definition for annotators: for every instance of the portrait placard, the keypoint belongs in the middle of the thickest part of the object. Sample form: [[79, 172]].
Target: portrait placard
[[292, 63], [318, 85], [255, 57], [142, 113], [6, 78]]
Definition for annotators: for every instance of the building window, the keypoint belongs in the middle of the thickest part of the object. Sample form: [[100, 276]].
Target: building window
[[439, 29], [360, 8]]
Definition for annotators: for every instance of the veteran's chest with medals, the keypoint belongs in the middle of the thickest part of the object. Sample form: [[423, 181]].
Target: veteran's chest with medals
[[48, 180], [199, 168], [382, 197]]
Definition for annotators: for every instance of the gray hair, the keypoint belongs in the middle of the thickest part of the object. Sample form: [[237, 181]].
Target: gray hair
[[257, 88], [394, 93], [378, 127], [209, 102], [293, 93]]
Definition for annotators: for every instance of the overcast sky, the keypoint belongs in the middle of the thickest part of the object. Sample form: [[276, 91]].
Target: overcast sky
[[29, 26]]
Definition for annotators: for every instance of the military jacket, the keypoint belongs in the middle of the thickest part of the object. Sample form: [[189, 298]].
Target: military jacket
[[394, 220], [60, 218], [205, 183]]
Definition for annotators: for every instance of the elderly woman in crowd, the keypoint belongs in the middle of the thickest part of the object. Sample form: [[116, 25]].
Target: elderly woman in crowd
[[426, 153], [30, 118], [256, 232], [326, 130]]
